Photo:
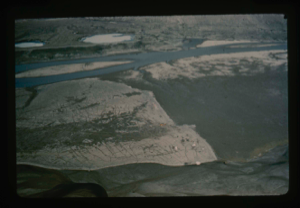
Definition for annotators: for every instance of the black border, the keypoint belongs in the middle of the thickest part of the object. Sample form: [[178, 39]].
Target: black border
[[48, 9]]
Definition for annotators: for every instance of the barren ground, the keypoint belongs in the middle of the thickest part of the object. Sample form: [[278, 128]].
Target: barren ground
[[226, 111]]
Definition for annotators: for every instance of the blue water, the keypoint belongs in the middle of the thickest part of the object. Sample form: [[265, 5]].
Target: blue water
[[139, 60]]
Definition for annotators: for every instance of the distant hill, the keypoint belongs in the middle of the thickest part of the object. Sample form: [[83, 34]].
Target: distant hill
[[62, 35]]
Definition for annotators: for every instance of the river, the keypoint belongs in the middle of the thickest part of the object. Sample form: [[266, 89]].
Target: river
[[226, 127], [139, 60]]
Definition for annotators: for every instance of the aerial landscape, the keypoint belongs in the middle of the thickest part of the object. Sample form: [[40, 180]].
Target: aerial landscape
[[152, 106]]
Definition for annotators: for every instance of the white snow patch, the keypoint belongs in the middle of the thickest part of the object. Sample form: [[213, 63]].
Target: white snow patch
[[107, 38], [28, 44]]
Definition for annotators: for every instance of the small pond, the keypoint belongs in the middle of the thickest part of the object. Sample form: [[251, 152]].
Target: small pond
[[108, 38], [29, 44]]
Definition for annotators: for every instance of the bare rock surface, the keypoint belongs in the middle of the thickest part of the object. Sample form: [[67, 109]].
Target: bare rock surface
[[86, 100], [266, 175], [93, 124]]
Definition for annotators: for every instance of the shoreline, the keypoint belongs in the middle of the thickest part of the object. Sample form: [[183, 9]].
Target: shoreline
[[219, 160], [140, 60], [112, 166], [68, 69]]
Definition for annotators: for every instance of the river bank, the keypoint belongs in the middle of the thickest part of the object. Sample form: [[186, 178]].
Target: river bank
[[267, 175], [245, 117], [185, 117], [139, 60], [169, 33]]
